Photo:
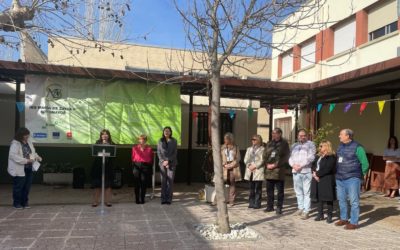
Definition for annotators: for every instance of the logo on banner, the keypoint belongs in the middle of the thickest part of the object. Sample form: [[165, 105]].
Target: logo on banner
[[54, 92], [39, 135], [56, 135], [69, 135]]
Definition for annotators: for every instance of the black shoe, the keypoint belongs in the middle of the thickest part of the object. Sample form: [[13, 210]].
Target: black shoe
[[278, 211], [163, 203], [168, 203], [138, 202], [257, 207], [269, 209], [329, 219], [251, 206], [319, 218]]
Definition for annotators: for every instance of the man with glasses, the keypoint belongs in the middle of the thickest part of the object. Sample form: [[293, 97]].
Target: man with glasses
[[301, 159], [276, 158]]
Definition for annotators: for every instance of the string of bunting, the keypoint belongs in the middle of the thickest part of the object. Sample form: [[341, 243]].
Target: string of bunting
[[349, 105], [363, 105]]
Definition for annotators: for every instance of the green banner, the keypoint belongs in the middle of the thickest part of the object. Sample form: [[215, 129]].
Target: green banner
[[68, 110]]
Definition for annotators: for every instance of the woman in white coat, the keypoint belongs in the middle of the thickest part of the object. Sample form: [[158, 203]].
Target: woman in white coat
[[255, 170], [21, 157]]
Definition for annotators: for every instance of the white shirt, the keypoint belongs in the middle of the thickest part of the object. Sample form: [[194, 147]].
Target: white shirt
[[391, 153]]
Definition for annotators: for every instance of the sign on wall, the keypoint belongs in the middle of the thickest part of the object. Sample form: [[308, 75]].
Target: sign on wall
[[68, 110]]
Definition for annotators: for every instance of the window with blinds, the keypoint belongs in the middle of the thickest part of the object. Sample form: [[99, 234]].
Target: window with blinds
[[308, 54], [387, 29], [287, 64], [226, 125], [344, 37], [382, 15]]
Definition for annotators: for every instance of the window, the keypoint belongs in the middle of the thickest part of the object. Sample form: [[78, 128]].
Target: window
[[383, 31], [344, 37], [226, 124], [308, 54], [382, 15], [286, 125], [287, 64]]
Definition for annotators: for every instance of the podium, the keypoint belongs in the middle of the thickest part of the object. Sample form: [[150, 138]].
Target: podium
[[104, 151]]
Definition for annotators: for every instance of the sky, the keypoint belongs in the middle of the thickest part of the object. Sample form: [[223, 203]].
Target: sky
[[158, 20]]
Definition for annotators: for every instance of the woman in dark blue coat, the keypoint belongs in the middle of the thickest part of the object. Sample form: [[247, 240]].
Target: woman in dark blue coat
[[323, 183]]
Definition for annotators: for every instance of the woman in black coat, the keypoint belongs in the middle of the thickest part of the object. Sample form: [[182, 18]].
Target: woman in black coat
[[323, 182]]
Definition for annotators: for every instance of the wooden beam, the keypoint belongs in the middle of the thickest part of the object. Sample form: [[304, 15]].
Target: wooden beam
[[190, 141]]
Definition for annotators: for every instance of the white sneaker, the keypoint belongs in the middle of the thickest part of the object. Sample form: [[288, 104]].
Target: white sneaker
[[298, 212], [305, 216]]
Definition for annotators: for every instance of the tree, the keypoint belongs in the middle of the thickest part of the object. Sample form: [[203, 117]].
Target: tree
[[224, 28], [43, 21]]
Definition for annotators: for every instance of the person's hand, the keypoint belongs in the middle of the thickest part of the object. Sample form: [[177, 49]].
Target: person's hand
[[297, 168], [38, 158], [30, 161], [165, 163], [270, 166], [252, 167], [316, 178]]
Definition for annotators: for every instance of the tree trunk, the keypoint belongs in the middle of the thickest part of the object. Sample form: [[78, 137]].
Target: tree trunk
[[222, 213]]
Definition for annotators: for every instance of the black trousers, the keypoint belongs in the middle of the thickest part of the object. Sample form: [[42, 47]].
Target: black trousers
[[280, 185], [255, 193], [321, 207], [141, 173]]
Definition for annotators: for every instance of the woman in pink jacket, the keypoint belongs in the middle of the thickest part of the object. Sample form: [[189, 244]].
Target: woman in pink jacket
[[142, 161]]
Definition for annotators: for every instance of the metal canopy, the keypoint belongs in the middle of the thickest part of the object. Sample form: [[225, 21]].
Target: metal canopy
[[374, 80]]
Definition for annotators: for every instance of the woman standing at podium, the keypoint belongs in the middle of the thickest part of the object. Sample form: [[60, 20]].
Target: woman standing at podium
[[167, 152], [142, 160], [105, 138]]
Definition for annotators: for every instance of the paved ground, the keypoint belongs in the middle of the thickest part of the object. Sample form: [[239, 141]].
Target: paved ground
[[61, 218]]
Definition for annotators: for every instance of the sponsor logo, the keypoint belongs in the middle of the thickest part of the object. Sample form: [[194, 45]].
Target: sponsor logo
[[56, 135], [54, 92], [69, 135], [39, 135]]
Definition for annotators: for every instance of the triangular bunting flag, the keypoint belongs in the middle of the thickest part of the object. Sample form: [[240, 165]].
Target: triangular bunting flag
[[232, 113], [250, 111], [286, 107], [21, 106], [319, 107], [381, 105], [363, 106], [332, 107], [347, 107]]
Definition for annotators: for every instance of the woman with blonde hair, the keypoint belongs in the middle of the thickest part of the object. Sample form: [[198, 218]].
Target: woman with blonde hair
[[230, 162], [255, 168], [323, 183]]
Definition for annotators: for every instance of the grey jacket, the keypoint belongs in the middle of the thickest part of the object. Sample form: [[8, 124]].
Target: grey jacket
[[167, 151]]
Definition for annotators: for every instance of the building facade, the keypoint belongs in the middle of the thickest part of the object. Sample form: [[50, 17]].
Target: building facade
[[344, 37]]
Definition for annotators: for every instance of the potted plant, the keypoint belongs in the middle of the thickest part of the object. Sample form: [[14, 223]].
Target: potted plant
[[323, 133], [57, 173]]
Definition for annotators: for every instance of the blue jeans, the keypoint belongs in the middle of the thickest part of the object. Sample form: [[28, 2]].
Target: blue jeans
[[302, 187], [21, 188], [349, 190]]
